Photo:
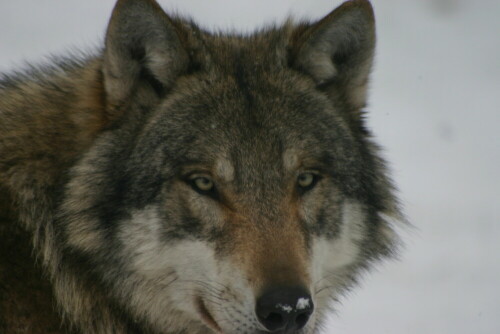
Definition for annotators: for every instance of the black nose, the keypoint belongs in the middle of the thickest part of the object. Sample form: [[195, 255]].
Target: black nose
[[284, 309]]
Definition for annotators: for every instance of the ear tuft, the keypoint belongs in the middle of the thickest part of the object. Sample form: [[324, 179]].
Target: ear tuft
[[337, 52], [142, 46]]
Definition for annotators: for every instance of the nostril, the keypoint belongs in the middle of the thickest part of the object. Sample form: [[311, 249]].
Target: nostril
[[274, 321], [302, 319]]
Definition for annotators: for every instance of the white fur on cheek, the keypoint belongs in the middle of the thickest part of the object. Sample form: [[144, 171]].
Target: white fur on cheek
[[164, 275], [346, 248], [331, 256]]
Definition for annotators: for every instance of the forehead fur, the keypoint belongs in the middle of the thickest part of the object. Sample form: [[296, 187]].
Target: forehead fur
[[269, 48], [246, 106], [244, 86], [244, 97]]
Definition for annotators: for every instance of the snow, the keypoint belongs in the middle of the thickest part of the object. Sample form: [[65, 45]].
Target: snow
[[302, 303], [284, 307], [434, 107]]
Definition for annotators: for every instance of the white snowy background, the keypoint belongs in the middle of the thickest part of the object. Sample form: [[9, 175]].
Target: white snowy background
[[435, 108]]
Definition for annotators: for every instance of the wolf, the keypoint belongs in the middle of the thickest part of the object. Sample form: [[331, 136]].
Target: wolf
[[180, 181]]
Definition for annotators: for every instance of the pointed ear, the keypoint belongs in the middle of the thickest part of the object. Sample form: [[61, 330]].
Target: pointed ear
[[338, 52], [142, 48]]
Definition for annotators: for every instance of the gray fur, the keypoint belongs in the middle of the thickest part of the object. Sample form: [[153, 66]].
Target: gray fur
[[97, 158]]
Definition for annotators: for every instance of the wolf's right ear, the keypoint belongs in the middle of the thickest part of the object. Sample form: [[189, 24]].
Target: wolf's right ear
[[142, 46]]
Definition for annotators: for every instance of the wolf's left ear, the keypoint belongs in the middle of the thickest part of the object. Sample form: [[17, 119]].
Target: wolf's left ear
[[338, 51], [142, 48]]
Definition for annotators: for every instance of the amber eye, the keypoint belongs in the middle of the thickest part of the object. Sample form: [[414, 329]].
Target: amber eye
[[203, 184], [307, 181]]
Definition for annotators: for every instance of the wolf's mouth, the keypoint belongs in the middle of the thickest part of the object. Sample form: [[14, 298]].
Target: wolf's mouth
[[206, 316]]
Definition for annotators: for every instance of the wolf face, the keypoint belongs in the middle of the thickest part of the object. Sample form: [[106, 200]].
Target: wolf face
[[236, 189]]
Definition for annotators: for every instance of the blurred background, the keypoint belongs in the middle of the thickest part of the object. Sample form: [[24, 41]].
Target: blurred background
[[434, 107]]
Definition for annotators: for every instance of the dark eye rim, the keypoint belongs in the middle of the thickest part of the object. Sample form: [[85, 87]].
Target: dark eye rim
[[316, 178]]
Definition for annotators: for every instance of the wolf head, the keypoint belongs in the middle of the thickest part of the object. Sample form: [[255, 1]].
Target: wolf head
[[236, 189]]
